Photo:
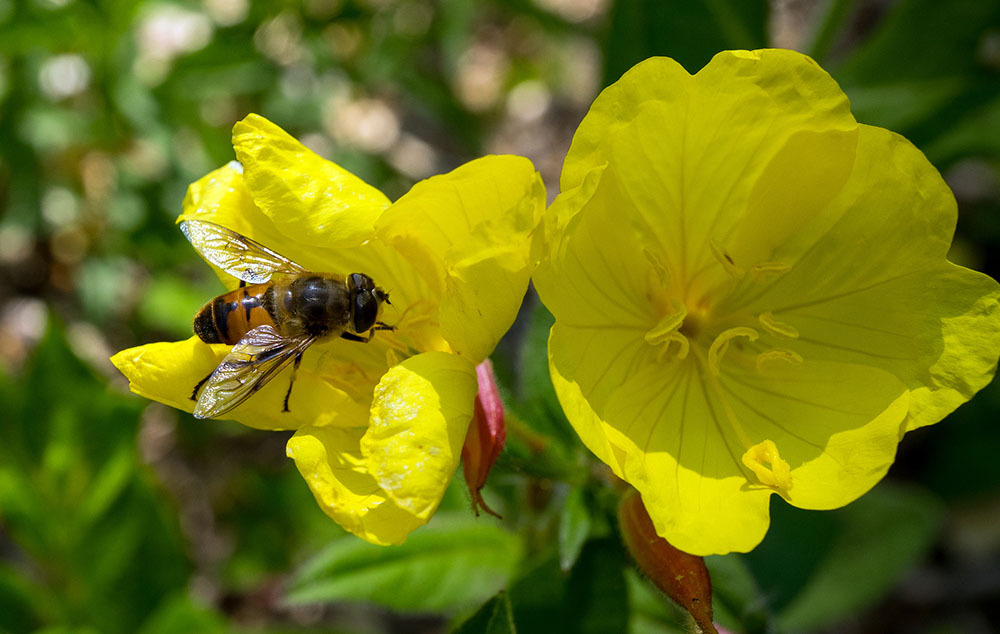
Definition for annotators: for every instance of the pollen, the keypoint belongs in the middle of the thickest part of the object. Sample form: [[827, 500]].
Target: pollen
[[721, 345], [769, 467]]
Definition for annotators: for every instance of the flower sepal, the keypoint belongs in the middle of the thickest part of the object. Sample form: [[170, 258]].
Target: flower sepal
[[681, 576], [485, 439]]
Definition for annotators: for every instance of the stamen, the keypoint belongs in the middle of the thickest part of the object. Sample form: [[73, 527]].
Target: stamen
[[777, 328], [721, 344], [684, 346], [725, 260], [667, 330], [765, 462], [777, 357], [658, 267], [763, 268]]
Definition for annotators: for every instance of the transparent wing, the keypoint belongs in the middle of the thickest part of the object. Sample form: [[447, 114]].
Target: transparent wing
[[236, 254], [255, 359]]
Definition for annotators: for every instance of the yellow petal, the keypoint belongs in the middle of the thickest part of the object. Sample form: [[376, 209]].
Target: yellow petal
[[681, 437], [874, 288], [310, 199], [469, 234], [330, 461], [837, 425], [597, 273], [584, 374], [419, 417], [669, 136], [168, 372]]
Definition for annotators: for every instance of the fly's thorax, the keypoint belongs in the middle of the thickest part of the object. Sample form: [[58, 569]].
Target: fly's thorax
[[317, 305]]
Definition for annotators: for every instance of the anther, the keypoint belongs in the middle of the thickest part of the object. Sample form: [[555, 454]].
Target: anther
[[777, 357], [764, 268], [659, 269], [777, 328], [667, 331], [725, 260], [721, 344]]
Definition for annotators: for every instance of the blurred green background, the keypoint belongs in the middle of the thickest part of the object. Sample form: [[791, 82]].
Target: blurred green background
[[118, 515]]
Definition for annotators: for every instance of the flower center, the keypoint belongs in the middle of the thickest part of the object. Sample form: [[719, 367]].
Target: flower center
[[726, 344]]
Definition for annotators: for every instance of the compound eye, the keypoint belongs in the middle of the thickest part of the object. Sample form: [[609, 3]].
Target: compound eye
[[360, 282], [365, 312]]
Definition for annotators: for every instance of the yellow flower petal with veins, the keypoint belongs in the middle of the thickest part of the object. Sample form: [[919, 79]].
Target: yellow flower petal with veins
[[382, 482], [380, 425], [470, 232], [311, 200], [419, 417], [799, 257]]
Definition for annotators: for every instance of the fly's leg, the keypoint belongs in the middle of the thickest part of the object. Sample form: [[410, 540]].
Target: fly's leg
[[194, 392], [295, 368], [350, 336]]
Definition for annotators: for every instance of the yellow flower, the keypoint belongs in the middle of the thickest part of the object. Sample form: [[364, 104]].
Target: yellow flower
[[379, 425], [751, 294]]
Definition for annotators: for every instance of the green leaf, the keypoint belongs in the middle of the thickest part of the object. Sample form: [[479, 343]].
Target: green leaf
[[591, 599], [20, 601], [736, 596], [495, 617], [690, 31], [448, 565], [75, 505], [896, 80], [884, 534], [652, 612], [574, 527], [598, 599], [792, 549], [538, 598], [179, 615], [976, 133], [898, 49]]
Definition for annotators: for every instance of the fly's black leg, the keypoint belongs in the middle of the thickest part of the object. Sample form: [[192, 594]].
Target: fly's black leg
[[383, 326], [295, 368], [350, 336], [243, 283], [194, 392]]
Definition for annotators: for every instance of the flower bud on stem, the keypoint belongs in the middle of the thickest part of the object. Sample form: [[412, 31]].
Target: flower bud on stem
[[683, 577], [486, 437]]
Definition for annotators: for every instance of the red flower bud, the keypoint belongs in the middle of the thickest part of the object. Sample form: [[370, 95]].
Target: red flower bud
[[485, 438], [683, 577]]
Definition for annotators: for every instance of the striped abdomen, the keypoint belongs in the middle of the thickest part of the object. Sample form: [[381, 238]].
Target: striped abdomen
[[228, 317]]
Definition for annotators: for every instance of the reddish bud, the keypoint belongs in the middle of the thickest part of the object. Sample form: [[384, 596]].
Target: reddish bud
[[683, 577], [485, 438]]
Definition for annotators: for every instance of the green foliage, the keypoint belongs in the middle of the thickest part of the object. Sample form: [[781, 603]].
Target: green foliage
[[690, 32], [453, 563], [883, 535], [87, 522], [494, 617]]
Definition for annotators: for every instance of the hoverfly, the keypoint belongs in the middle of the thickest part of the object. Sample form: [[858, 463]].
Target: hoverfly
[[278, 311]]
